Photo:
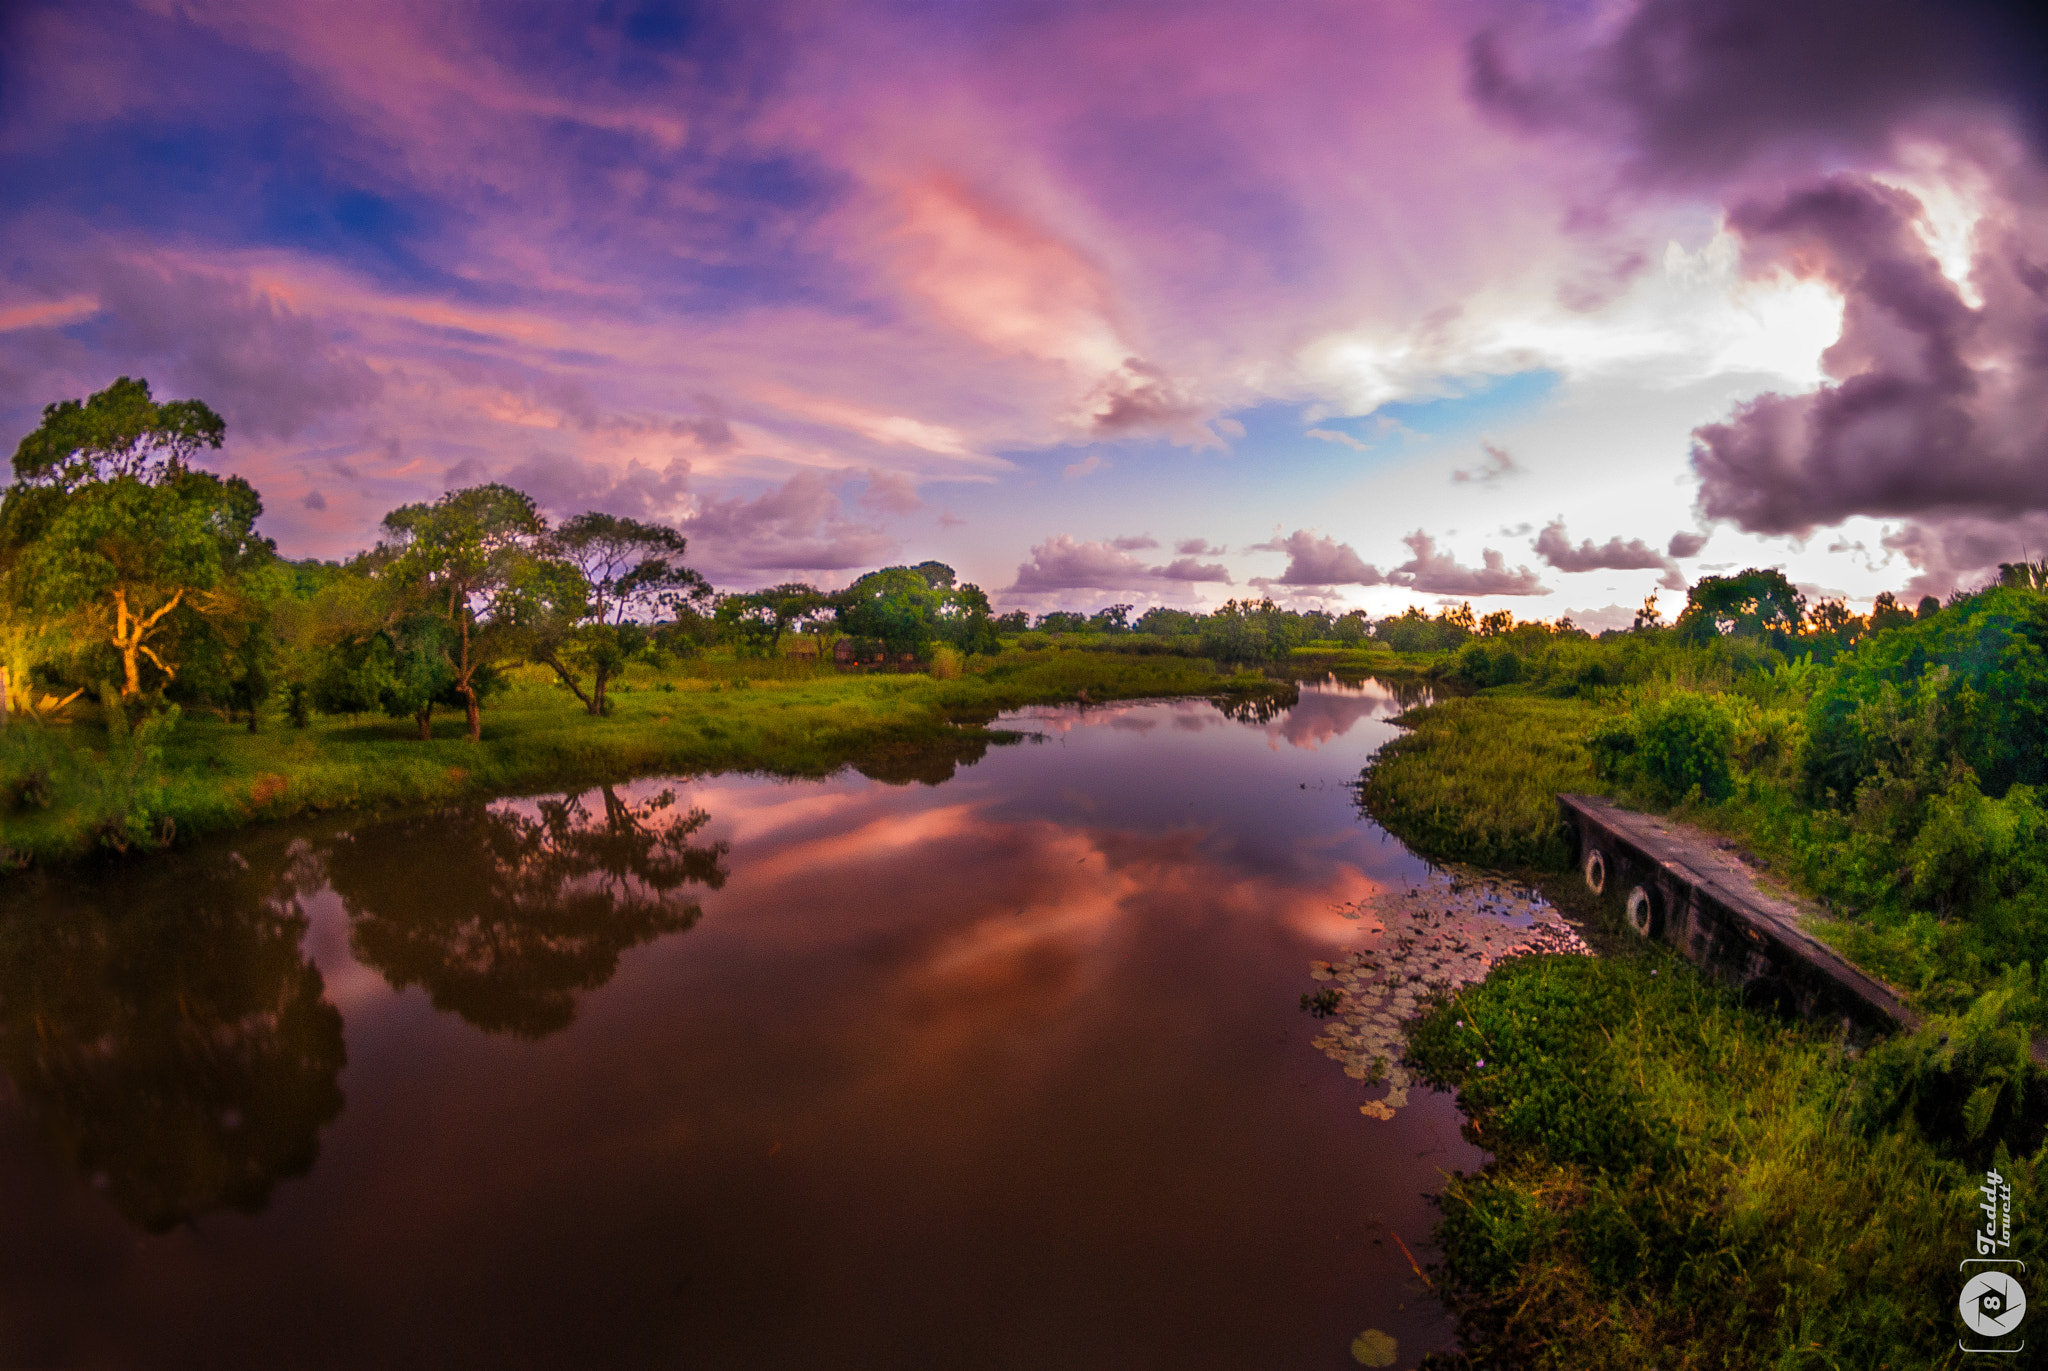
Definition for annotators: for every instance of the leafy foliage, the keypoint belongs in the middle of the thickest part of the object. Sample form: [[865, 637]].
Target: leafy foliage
[[1677, 1181]]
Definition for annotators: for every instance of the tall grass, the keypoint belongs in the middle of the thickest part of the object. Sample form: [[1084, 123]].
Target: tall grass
[[1678, 1182], [1477, 779]]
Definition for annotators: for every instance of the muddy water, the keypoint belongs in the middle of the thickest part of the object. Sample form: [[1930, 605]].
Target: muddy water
[[1007, 1071]]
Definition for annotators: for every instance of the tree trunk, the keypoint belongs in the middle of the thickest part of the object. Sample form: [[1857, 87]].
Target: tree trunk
[[569, 680], [426, 718], [129, 631], [469, 706], [6, 704], [597, 691]]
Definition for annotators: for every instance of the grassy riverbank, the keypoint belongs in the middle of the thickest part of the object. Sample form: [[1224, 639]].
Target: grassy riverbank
[[78, 787], [1678, 1182]]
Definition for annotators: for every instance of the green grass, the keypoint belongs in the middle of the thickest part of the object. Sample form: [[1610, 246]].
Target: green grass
[[1477, 779], [786, 717], [1679, 1183]]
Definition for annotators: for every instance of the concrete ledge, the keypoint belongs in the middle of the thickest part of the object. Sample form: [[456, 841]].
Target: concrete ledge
[[1681, 886]]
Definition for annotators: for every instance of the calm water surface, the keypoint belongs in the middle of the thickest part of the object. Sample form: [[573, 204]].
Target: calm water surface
[[1006, 1071]]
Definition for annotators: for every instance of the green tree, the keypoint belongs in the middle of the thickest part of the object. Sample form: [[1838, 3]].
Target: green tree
[[478, 558], [908, 609], [1252, 631], [1756, 603], [108, 529], [758, 619], [119, 431], [1887, 613], [632, 571]]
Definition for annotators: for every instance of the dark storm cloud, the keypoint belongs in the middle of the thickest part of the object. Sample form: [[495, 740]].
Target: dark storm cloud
[[1934, 410], [1700, 89], [1554, 545]]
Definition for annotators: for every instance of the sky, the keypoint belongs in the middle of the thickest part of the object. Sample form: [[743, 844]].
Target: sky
[[1358, 304]]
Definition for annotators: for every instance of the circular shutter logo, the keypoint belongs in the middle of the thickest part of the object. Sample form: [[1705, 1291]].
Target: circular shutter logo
[[1993, 1303]]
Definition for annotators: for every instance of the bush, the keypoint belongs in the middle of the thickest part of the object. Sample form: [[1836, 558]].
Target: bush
[[29, 763], [1684, 741], [1967, 1082], [1676, 1181], [1969, 682]]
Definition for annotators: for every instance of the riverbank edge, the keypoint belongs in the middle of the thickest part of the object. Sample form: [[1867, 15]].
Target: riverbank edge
[[1761, 1101], [898, 727]]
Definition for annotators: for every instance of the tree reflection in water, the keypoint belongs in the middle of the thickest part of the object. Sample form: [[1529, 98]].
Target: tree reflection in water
[[173, 1043], [1260, 706], [506, 917]]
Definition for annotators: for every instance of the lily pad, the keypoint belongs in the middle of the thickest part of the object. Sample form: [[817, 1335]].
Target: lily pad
[[1374, 1348]]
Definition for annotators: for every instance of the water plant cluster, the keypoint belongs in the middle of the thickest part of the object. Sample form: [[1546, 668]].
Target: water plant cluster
[[1434, 937]]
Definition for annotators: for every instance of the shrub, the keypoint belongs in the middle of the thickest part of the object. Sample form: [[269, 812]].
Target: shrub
[[1683, 741], [1670, 745]]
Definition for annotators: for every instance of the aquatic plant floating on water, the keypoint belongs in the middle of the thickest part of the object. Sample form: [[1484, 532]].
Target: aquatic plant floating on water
[[1436, 937], [1374, 1348]]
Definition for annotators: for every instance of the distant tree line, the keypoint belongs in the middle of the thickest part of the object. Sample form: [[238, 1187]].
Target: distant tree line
[[125, 569]]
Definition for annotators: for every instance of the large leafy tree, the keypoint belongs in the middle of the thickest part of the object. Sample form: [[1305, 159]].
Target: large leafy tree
[[108, 529], [1755, 603], [760, 618], [908, 609], [632, 572], [120, 431], [479, 558]]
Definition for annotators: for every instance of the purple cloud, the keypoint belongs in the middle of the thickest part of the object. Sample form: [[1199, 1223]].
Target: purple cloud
[[1934, 408], [798, 526], [1440, 573], [1494, 468], [1061, 563], [1554, 546], [1320, 561]]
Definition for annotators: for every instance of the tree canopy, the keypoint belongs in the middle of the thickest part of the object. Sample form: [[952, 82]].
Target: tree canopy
[[119, 431], [108, 535], [478, 557]]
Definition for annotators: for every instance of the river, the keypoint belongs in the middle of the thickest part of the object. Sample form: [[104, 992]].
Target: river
[[1003, 1071]]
